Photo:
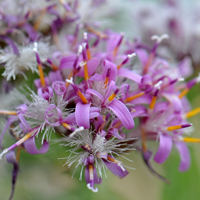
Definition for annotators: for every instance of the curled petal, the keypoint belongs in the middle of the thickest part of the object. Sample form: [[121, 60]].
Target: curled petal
[[54, 113], [31, 148], [164, 149], [59, 87], [82, 112], [45, 93], [122, 112], [24, 122], [184, 155]]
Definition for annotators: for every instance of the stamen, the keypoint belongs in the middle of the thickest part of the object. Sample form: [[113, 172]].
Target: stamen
[[129, 56], [159, 39], [112, 96], [193, 140], [107, 77], [67, 126], [18, 143], [86, 74], [153, 101], [144, 146], [98, 33], [190, 84], [40, 18], [150, 60], [118, 44], [172, 128], [76, 130], [192, 113], [41, 74], [87, 46], [18, 153], [78, 92], [138, 95], [54, 67], [6, 112]]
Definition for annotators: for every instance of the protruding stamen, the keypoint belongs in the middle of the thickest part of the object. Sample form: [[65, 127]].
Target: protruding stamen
[[144, 146], [98, 33], [107, 77], [87, 46], [192, 140], [54, 67], [41, 74], [138, 95], [192, 113], [118, 44], [76, 130], [150, 60], [39, 19], [159, 39], [190, 84], [78, 92], [86, 74], [119, 163], [153, 101], [112, 96], [172, 128], [6, 112], [67, 126], [129, 56], [19, 142], [18, 153]]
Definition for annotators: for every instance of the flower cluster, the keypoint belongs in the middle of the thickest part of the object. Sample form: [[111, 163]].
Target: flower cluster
[[101, 94]]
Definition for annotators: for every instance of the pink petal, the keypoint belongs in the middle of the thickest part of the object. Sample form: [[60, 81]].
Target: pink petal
[[122, 112], [164, 149], [82, 112], [184, 155]]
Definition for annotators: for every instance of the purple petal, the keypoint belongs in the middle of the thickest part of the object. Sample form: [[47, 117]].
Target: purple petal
[[82, 112], [31, 148], [142, 55], [96, 77], [185, 67], [114, 132], [95, 93], [122, 112], [97, 180], [139, 111], [146, 157], [67, 62], [130, 75], [164, 149], [55, 76], [110, 89], [11, 158], [113, 68], [116, 169], [184, 155], [92, 65], [175, 100]]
